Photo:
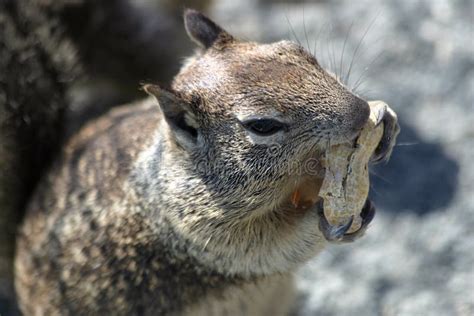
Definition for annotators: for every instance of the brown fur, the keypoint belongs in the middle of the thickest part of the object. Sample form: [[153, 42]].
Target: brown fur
[[141, 216]]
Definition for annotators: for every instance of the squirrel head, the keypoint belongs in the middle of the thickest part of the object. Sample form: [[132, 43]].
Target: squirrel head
[[248, 123]]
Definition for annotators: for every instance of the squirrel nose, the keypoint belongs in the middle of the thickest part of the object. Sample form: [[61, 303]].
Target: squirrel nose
[[361, 112]]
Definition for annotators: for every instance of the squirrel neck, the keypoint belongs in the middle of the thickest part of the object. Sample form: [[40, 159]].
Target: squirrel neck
[[182, 203]]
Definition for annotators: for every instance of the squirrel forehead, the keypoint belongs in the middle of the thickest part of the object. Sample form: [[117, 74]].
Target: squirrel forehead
[[280, 75]]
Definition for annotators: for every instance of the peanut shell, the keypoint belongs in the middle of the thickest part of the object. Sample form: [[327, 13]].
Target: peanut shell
[[346, 182]]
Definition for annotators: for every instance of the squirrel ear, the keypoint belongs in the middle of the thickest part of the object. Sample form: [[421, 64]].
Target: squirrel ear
[[203, 30], [177, 114]]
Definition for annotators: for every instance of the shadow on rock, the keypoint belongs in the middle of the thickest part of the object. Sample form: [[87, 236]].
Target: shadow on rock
[[420, 177]]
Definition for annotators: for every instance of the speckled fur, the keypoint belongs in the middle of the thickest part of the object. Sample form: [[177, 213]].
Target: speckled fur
[[130, 222]]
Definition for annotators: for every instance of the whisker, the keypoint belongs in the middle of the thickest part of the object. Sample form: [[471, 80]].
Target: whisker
[[328, 59], [380, 177], [366, 70], [334, 59], [358, 47], [344, 48], [292, 29], [407, 144], [332, 65], [366, 93], [305, 32], [317, 38], [368, 47]]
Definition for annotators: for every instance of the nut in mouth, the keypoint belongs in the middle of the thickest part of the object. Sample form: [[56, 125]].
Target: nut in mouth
[[341, 198]]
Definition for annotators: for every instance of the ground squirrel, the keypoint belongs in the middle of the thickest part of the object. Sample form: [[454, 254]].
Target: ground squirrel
[[181, 204]]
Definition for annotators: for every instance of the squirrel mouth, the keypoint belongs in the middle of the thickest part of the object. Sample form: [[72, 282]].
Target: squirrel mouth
[[306, 198]]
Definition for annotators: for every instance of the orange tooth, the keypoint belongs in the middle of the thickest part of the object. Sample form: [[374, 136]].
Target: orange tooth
[[295, 198]]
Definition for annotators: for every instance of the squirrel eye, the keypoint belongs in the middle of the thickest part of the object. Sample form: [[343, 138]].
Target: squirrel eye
[[263, 126]]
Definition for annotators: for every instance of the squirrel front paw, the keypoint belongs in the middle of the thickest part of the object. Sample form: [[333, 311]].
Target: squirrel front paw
[[391, 130]]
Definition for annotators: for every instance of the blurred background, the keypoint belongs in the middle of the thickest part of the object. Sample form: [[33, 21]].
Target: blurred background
[[418, 56]]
